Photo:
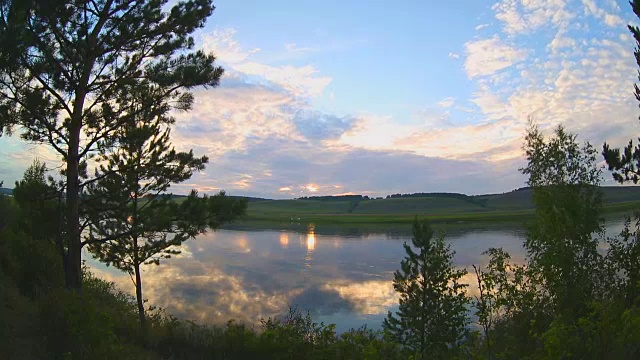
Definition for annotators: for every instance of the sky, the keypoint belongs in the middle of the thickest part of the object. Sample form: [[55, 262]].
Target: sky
[[376, 98]]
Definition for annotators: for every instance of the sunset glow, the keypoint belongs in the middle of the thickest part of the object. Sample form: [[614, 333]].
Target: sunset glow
[[311, 188]]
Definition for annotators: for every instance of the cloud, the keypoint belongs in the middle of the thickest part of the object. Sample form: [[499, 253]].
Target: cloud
[[301, 81], [315, 125], [560, 42], [453, 142], [369, 297], [446, 102], [18, 155], [525, 16], [576, 75], [223, 44], [488, 56], [293, 48], [225, 118], [302, 168], [454, 55], [609, 19]]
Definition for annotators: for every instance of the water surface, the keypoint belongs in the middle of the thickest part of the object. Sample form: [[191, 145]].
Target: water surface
[[341, 275]]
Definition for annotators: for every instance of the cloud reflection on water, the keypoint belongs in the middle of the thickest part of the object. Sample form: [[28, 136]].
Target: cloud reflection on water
[[249, 275]]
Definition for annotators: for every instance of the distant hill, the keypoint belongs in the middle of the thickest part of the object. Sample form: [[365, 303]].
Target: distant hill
[[6, 191], [423, 204], [405, 206]]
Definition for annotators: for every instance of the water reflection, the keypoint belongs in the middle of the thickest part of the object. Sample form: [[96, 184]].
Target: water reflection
[[248, 275], [242, 242], [284, 240], [311, 237]]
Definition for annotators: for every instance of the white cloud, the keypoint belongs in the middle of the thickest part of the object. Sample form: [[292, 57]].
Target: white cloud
[[370, 297], [226, 48], [488, 56], [524, 16], [560, 42], [610, 19], [584, 83], [301, 81], [446, 102]]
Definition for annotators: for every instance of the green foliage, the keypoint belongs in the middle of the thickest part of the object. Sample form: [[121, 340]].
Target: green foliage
[[432, 317], [7, 211], [130, 221], [39, 200], [510, 307], [625, 164], [567, 301], [562, 240], [75, 73], [296, 336], [623, 256]]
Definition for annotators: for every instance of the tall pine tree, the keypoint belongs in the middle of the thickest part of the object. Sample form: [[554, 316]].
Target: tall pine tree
[[68, 67], [132, 221], [432, 317]]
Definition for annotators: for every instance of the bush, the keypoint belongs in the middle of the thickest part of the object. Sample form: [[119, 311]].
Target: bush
[[35, 266]]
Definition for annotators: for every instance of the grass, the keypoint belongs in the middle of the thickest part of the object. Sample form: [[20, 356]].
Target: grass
[[282, 211]]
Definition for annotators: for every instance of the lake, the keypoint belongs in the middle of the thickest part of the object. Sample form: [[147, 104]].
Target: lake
[[341, 275]]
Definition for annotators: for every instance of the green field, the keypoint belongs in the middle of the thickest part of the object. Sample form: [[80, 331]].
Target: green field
[[512, 206]]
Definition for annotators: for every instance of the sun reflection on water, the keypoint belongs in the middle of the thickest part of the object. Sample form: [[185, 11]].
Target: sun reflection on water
[[311, 237], [311, 244], [284, 240]]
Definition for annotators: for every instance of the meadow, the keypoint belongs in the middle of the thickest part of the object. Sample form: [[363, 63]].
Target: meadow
[[512, 206]]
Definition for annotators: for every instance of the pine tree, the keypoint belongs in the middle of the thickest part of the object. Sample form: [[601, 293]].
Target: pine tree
[[432, 317], [625, 163], [132, 219], [38, 197], [68, 67]]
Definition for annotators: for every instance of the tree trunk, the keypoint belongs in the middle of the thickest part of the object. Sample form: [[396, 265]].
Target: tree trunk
[[73, 271], [136, 258], [139, 297], [59, 237]]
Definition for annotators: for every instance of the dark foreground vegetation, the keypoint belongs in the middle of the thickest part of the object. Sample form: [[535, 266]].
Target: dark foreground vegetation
[[43, 320]]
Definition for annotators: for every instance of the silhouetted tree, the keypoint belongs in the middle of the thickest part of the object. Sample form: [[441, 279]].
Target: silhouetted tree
[[625, 163], [6, 211], [432, 317], [131, 222], [39, 199], [562, 240], [69, 67]]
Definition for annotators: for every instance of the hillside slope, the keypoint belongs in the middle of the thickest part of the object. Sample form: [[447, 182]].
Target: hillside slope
[[455, 205]]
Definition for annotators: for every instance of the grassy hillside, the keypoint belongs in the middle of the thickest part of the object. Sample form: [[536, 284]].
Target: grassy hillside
[[494, 207]]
